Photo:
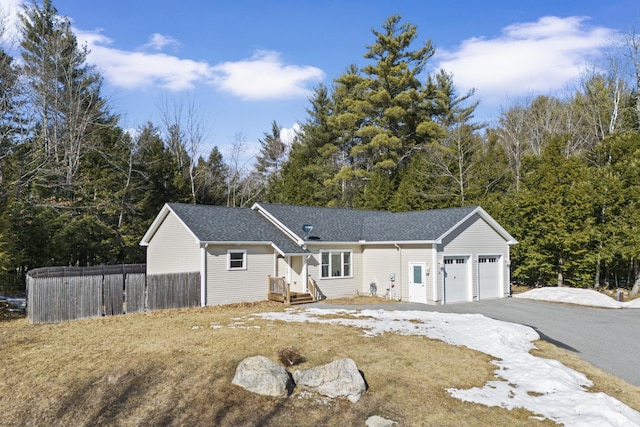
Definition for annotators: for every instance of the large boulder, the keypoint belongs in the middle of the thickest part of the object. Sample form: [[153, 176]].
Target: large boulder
[[261, 375], [340, 378]]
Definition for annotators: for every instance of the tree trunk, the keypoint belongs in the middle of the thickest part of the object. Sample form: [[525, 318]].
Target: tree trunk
[[636, 275], [596, 285], [560, 272]]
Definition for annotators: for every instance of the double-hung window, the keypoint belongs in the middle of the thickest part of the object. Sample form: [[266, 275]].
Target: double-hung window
[[335, 264], [236, 259]]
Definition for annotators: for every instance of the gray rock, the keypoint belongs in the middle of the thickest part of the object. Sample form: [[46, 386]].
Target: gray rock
[[340, 378], [377, 421], [261, 375]]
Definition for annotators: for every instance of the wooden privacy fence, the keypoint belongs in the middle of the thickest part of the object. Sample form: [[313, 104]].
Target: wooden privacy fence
[[173, 290], [58, 294]]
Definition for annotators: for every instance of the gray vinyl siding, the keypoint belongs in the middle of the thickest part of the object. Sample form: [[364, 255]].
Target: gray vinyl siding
[[172, 249], [337, 287], [421, 253], [233, 286], [380, 261], [475, 237]]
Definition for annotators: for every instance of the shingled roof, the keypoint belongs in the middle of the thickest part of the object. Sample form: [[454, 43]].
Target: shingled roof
[[281, 225], [329, 224], [218, 224], [352, 225]]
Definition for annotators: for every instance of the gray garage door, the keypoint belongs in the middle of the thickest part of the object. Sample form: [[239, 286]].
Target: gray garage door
[[457, 286], [489, 283]]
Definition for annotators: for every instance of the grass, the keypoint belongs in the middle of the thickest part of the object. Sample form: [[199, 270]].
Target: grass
[[173, 368]]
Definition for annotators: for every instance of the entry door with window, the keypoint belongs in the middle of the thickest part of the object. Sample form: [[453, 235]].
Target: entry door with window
[[417, 282]]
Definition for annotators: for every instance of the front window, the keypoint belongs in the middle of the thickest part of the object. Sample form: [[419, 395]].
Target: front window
[[335, 264], [237, 259]]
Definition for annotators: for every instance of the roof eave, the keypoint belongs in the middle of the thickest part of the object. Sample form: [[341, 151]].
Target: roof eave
[[484, 215], [398, 242], [283, 228], [235, 242], [159, 219]]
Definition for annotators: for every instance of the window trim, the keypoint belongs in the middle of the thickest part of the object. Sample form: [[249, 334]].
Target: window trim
[[342, 263], [244, 259]]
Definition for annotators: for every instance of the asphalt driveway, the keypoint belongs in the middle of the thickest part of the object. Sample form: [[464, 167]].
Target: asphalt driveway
[[606, 338]]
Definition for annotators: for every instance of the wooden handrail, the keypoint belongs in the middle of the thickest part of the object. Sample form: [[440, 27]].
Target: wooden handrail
[[312, 287], [279, 286]]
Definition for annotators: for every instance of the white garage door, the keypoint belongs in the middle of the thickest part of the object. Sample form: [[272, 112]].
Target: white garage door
[[457, 286], [489, 283]]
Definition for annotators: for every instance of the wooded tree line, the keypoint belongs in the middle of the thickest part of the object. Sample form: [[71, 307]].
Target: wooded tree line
[[559, 174]]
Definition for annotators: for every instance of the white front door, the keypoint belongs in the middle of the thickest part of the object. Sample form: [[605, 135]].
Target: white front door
[[417, 282]]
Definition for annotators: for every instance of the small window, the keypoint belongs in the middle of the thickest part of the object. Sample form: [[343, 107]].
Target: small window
[[335, 264], [237, 259]]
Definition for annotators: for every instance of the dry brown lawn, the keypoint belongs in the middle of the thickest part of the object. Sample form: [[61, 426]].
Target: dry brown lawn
[[172, 368]]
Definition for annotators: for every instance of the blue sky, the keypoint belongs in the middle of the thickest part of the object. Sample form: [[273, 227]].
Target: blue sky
[[245, 63]]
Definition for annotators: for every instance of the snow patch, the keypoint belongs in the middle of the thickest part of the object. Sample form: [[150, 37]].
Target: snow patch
[[543, 386]]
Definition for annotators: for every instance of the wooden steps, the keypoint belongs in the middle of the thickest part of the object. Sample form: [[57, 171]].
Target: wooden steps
[[300, 298]]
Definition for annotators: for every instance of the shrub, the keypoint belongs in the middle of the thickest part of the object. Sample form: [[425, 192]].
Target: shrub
[[290, 356]]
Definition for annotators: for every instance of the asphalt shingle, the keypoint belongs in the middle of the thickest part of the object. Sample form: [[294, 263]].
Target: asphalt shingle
[[227, 224]]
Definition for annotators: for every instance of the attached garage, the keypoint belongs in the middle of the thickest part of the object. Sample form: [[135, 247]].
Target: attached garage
[[457, 279], [490, 283]]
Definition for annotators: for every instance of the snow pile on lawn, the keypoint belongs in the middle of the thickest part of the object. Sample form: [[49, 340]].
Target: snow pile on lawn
[[543, 386], [576, 296]]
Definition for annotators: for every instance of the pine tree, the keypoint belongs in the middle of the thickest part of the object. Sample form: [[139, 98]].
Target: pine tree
[[210, 179], [273, 152], [313, 159], [65, 105], [380, 113], [555, 225]]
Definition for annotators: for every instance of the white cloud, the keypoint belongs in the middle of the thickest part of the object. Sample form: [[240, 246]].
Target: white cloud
[[265, 76], [159, 41], [130, 69], [532, 57], [287, 135]]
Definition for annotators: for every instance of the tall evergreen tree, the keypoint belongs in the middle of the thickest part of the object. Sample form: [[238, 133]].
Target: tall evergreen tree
[[380, 113], [210, 179], [65, 105], [448, 160], [314, 159], [555, 226], [273, 152]]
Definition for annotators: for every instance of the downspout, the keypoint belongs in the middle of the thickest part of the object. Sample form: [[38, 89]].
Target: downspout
[[203, 275], [305, 273], [435, 271], [399, 270]]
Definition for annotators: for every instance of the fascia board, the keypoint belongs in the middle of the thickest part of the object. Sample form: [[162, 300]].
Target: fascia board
[[154, 226], [157, 222], [484, 215], [398, 242], [293, 236], [494, 224], [235, 242], [251, 243]]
